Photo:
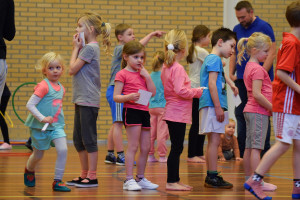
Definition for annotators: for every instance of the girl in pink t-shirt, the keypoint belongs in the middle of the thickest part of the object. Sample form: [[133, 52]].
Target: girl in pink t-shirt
[[132, 78], [259, 107]]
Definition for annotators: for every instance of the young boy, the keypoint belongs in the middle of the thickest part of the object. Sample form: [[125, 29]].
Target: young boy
[[286, 107], [229, 147], [213, 101], [124, 33]]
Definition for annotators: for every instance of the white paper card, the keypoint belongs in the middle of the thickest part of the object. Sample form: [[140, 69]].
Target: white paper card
[[144, 97], [81, 36], [236, 100]]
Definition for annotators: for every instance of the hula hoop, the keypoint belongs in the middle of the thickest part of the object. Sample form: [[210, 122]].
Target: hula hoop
[[13, 98]]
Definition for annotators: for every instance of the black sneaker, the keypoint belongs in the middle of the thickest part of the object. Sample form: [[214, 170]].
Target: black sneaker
[[28, 145], [120, 161], [73, 182], [217, 182], [91, 183], [110, 159]]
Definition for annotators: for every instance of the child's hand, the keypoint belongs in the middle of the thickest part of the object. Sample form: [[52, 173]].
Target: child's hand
[[219, 114], [143, 72], [158, 33], [133, 96], [77, 41], [48, 119], [235, 90], [222, 159], [238, 159]]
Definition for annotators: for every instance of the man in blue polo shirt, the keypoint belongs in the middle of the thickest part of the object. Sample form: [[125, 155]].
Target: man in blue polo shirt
[[249, 23]]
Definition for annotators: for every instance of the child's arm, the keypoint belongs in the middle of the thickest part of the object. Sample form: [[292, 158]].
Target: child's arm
[[261, 99], [236, 149], [234, 89], [76, 63], [220, 152], [146, 39], [285, 77], [232, 67], [212, 80], [118, 97], [149, 82], [31, 106]]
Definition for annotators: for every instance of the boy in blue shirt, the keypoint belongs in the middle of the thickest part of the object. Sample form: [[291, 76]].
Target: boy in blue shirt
[[213, 101]]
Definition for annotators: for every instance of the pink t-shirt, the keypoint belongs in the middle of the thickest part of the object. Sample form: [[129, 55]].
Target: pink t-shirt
[[133, 81], [178, 94], [254, 71], [42, 88]]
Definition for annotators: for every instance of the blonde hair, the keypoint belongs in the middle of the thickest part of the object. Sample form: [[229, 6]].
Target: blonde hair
[[176, 39], [131, 48], [256, 40], [91, 18], [46, 59], [231, 120], [199, 32], [158, 60]]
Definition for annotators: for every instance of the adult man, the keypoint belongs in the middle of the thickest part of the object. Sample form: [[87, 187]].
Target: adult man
[[249, 23], [7, 31]]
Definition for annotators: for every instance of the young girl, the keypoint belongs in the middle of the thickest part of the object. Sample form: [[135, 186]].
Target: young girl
[[195, 58], [159, 128], [85, 69], [179, 95], [45, 106], [136, 118], [259, 107]]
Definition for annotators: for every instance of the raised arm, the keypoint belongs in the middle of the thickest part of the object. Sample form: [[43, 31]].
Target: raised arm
[[76, 63], [147, 38]]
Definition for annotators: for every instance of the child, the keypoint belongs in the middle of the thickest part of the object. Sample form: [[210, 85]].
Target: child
[[286, 104], [213, 102], [259, 107], [85, 69], [229, 147], [159, 128], [195, 58], [179, 95], [124, 33], [136, 118], [45, 106]]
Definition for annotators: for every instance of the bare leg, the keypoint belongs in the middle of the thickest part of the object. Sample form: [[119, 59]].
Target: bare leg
[[296, 159], [110, 139], [212, 151], [117, 136], [247, 162], [144, 150]]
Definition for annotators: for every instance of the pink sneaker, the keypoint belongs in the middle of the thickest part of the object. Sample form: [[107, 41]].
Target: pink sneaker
[[296, 191], [163, 159], [151, 158], [5, 146], [254, 186], [268, 186]]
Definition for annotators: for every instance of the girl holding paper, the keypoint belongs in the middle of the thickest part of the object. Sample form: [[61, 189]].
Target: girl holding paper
[[132, 78], [45, 106]]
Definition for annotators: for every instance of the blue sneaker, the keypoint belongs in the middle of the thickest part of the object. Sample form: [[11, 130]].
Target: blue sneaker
[[120, 161], [29, 179], [59, 186], [110, 159]]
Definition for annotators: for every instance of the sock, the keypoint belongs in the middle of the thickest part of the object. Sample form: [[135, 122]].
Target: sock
[[296, 182], [212, 174], [83, 174], [128, 178], [257, 177], [92, 175], [27, 171], [121, 154], [140, 177], [111, 153]]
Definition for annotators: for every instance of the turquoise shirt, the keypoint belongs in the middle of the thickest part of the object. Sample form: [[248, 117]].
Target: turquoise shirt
[[50, 105], [212, 63], [158, 101]]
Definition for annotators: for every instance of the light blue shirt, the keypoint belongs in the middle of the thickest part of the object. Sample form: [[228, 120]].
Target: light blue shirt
[[158, 101], [212, 63]]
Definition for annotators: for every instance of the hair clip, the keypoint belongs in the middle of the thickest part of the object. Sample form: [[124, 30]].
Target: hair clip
[[170, 47], [103, 24]]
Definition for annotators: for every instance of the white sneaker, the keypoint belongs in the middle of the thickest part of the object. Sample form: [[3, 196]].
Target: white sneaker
[[5, 146], [145, 184], [131, 185]]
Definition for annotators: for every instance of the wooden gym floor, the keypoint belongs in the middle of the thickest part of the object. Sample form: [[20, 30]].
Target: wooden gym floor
[[110, 178]]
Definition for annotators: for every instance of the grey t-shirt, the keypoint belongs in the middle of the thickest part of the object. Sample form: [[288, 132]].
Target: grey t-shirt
[[86, 82], [115, 63]]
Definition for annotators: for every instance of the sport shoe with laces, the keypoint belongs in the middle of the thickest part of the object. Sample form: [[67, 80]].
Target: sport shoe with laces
[[120, 161], [296, 191], [131, 185], [217, 182], [110, 160], [145, 184], [254, 186], [73, 182], [59, 186], [29, 179], [5, 146]]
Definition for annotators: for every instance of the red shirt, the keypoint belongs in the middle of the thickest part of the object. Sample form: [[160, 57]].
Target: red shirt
[[286, 100]]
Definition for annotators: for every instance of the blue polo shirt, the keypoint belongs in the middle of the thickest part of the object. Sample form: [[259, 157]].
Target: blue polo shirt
[[258, 25]]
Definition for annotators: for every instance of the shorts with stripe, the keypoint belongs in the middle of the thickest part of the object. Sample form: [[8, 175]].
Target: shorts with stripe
[[134, 117], [116, 108], [256, 130], [286, 127]]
